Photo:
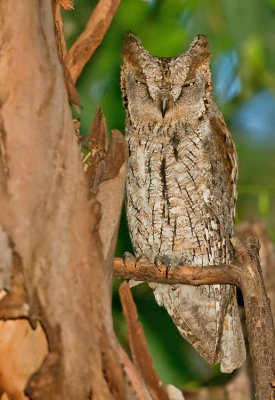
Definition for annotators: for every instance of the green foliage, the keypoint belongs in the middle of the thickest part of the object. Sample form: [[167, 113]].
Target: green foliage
[[166, 28]]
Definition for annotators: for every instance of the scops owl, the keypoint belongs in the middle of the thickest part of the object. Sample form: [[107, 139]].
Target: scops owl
[[181, 189]]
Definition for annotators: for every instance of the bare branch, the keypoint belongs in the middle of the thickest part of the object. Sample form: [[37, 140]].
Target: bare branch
[[136, 383], [139, 350], [258, 229], [184, 275], [62, 49], [247, 275], [91, 37], [59, 31]]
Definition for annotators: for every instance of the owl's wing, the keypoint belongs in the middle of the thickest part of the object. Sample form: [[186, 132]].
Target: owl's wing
[[232, 350], [197, 318], [226, 149]]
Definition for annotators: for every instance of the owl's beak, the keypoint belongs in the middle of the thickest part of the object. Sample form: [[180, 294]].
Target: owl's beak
[[164, 106]]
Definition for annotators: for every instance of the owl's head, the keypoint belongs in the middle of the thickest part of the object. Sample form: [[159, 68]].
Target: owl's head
[[163, 90]]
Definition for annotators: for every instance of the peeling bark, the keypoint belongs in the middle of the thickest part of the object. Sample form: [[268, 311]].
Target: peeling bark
[[46, 211]]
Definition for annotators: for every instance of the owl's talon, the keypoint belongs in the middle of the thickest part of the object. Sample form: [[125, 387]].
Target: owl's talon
[[142, 259], [168, 267], [128, 258], [158, 262], [163, 260]]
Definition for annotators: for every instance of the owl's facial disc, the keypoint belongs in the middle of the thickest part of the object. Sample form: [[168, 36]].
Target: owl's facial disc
[[182, 101], [163, 90]]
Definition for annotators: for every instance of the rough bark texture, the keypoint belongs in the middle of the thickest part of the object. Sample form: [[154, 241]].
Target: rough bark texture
[[48, 216], [259, 323], [257, 228]]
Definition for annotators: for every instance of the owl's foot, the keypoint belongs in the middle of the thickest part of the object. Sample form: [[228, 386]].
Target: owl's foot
[[128, 258], [142, 259], [158, 262]]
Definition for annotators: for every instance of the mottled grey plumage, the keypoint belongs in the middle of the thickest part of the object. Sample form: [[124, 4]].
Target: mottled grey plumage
[[181, 189]]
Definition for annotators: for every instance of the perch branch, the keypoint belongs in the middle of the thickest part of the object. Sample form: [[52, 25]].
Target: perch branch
[[93, 34], [247, 275], [185, 275]]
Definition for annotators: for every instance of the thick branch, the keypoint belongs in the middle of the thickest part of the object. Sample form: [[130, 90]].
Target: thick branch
[[247, 275], [91, 37]]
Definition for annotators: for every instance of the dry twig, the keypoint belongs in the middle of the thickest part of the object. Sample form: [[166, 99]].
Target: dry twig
[[139, 350], [62, 49], [91, 37]]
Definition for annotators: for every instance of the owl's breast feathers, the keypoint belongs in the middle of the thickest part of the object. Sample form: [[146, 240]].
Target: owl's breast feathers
[[181, 190]]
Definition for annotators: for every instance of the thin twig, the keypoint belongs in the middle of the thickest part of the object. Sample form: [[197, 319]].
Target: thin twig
[[62, 49], [91, 37]]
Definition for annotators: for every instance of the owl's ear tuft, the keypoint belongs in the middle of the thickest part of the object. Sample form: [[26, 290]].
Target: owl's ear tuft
[[133, 50], [130, 38], [199, 49], [198, 59]]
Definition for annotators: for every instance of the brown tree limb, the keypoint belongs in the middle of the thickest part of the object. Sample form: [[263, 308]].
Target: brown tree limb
[[247, 275], [184, 275], [258, 228], [62, 48], [93, 34], [59, 31], [139, 350]]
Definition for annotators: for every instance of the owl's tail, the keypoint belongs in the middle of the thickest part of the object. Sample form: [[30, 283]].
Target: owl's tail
[[204, 318]]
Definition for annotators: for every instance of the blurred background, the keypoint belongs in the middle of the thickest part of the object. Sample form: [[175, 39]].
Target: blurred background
[[241, 36]]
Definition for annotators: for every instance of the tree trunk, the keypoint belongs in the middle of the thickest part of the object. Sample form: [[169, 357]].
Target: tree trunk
[[47, 213]]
